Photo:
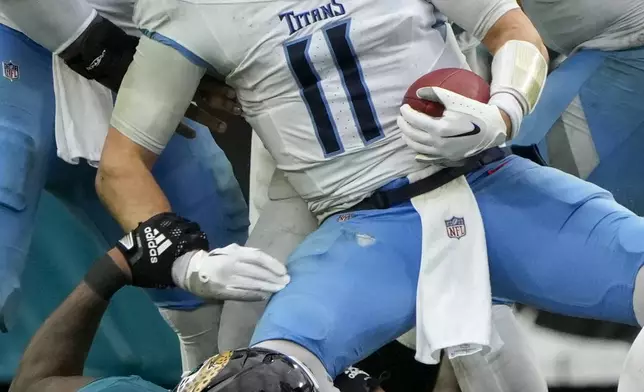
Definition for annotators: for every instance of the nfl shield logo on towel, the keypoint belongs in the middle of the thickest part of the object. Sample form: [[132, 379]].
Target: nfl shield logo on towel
[[455, 227], [10, 71]]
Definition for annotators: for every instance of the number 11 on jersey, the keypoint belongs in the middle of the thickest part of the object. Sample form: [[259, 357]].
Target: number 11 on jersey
[[348, 65]]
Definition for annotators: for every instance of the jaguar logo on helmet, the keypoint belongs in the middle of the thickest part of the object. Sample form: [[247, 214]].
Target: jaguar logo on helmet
[[199, 380], [249, 370]]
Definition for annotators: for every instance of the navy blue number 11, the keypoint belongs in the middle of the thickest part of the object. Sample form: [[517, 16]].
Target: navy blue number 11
[[353, 82]]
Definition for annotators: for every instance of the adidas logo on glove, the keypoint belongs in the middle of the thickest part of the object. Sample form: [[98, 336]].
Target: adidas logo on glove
[[157, 243]]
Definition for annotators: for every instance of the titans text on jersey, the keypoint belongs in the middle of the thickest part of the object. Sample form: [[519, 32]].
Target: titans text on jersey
[[297, 21], [320, 81]]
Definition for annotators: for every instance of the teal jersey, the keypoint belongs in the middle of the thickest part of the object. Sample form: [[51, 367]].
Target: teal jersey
[[122, 384]]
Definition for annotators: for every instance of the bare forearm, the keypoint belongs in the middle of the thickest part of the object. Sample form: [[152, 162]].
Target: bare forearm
[[514, 25], [132, 196], [125, 183], [60, 347], [55, 357]]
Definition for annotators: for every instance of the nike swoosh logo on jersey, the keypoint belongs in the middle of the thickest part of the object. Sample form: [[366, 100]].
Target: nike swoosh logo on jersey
[[474, 131]]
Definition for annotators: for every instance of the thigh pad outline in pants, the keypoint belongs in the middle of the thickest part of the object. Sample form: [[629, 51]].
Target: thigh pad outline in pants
[[26, 140], [353, 287], [558, 243]]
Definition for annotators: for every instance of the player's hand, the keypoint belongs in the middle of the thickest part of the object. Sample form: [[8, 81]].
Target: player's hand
[[466, 128], [232, 273], [152, 248], [212, 103]]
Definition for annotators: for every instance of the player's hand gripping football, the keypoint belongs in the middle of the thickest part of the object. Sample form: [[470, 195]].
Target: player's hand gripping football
[[466, 128], [212, 103]]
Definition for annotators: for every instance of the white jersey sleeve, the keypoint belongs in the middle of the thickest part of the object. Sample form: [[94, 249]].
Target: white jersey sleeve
[[55, 25], [148, 111], [4, 20], [475, 16], [321, 81], [567, 25], [119, 12], [51, 24]]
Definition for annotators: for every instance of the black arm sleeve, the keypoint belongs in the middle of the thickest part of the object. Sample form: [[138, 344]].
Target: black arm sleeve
[[103, 52]]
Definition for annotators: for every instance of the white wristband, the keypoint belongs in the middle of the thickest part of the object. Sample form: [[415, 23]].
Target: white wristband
[[180, 269], [511, 106]]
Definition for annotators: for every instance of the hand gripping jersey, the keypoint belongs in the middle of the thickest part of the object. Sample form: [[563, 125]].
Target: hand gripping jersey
[[320, 81]]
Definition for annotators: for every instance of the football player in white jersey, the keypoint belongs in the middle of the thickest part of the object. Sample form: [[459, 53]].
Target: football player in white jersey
[[321, 83], [309, 74], [81, 36]]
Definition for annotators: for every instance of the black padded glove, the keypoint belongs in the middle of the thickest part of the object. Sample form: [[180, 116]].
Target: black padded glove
[[155, 244]]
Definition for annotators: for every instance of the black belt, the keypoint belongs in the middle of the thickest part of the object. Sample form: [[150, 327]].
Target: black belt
[[384, 199]]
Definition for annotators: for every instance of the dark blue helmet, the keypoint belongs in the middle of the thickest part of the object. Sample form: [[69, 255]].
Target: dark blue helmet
[[249, 370]]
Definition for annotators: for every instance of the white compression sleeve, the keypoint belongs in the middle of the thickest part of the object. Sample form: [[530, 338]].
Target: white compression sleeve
[[53, 24], [632, 377], [476, 17], [154, 94], [512, 368], [198, 332]]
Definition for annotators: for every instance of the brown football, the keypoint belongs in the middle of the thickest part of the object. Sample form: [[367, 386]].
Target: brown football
[[458, 80]]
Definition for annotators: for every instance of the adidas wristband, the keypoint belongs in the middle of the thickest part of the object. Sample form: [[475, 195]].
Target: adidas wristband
[[105, 278]]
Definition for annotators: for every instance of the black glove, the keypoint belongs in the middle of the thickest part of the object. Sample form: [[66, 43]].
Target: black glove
[[155, 244]]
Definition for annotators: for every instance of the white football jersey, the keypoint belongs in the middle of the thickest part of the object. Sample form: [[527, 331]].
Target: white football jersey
[[117, 11], [320, 81], [567, 25], [5, 21]]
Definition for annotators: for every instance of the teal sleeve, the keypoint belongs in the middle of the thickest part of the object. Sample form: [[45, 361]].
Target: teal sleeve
[[122, 384]]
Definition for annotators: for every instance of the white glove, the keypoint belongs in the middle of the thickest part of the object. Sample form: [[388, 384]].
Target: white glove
[[466, 128], [232, 273]]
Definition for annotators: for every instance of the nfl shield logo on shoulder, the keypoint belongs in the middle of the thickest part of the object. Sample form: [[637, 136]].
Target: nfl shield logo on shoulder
[[10, 71], [455, 227]]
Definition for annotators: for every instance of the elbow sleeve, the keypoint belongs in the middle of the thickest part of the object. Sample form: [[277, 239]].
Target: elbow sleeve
[[154, 94]]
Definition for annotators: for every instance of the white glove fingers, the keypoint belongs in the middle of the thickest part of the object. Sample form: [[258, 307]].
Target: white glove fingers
[[423, 147], [258, 272], [420, 136], [419, 120], [249, 283], [440, 95], [429, 94], [263, 260], [253, 256]]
